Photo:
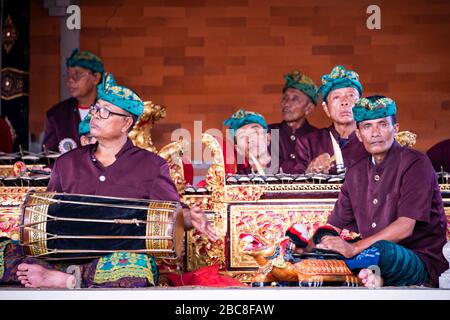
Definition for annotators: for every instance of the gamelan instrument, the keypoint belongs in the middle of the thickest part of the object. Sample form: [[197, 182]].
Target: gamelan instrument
[[59, 226]]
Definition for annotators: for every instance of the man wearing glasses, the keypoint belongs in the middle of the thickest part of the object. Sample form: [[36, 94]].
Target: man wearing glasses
[[84, 73], [112, 167]]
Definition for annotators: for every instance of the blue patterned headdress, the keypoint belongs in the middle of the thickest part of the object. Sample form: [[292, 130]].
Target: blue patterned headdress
[[83, 127], [85, 59], [371, 108], [301, 82], [241, 118], [120, 96], [339, 78]]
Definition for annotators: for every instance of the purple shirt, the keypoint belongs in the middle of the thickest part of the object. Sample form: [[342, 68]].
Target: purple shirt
[[287, 143], [62, 122], [136, 173], [439, 155], [403, 185], [318, 142]]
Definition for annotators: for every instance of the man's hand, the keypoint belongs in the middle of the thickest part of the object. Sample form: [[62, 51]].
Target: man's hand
[[321, 164], [298, 250], [201, 223], [339, 245]]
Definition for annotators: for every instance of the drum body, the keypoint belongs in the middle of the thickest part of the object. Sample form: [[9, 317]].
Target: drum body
[[66, 226]]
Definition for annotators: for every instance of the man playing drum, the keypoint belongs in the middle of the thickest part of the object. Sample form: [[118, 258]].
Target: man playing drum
[[112, 167]]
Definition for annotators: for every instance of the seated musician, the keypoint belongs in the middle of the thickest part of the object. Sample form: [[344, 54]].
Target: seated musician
[[84, 131], [298, 101], [84, 73], [330, 150], [439, 155], [110, 167], [249, 132], [393, 200]]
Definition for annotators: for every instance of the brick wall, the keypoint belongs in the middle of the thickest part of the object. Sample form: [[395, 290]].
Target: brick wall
[[44, 64], [205, 58]]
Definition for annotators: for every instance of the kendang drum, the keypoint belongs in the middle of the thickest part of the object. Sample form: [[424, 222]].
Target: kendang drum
[[57, 226]]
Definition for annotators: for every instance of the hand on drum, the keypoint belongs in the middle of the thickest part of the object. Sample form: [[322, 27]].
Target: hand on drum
[[200, 222]]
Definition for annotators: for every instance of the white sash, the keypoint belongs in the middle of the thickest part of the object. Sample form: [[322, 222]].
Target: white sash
[[338, 155]]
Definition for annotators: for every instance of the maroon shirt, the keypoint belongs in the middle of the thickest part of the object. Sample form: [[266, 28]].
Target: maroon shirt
[[62, 122], [136, 173], [403, 185], [288, 141], [439, 155], [318, 142]]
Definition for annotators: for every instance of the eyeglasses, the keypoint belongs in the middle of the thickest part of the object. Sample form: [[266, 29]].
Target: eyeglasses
[[103, 112], [76, 76]]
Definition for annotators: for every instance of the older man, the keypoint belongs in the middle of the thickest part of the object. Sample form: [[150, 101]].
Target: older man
[[111, 167], [298, 101], [393, 200], [84, 73], [332, 149]]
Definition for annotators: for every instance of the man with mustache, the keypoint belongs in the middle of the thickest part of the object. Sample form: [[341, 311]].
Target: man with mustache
[[112, 167], [298, 101], [332, 149], [84, 73], [393, 200]]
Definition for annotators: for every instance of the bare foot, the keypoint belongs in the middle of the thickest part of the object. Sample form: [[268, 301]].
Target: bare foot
[[36, 276], [370, 279]]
